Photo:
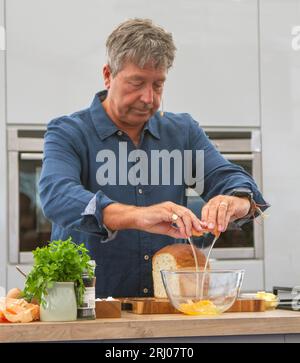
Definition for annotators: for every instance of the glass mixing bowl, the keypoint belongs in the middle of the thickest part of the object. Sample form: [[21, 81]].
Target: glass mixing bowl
[[202, 293]]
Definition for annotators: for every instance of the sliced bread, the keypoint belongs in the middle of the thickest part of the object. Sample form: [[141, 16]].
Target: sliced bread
[[173, 257]]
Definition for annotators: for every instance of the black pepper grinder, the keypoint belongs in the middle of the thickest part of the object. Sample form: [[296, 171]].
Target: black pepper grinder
[[87, 309]]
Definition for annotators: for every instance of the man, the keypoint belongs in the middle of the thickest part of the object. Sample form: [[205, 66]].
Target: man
[[134, 217]]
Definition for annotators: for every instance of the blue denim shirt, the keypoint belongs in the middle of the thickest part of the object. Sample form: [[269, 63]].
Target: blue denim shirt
[[73, 200]]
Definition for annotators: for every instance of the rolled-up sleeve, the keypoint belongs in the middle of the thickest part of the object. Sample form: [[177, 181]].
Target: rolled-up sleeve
[[64, 199], [220, 175]]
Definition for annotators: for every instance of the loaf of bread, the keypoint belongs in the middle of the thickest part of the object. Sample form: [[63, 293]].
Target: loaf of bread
[[173, 257]]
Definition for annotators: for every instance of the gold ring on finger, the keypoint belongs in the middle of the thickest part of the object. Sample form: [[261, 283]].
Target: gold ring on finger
[[174, 217], [223, 203]]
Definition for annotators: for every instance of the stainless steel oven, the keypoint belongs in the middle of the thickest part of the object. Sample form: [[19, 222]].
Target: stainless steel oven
[[28, 228], [242, 148]]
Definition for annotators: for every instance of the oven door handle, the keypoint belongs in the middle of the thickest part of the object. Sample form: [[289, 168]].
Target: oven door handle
[[238, 156], [31, 156]]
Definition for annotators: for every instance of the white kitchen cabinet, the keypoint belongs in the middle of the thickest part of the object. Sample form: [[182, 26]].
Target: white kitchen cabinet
[[254, 272], [56, 52], [215, 77], [14, 278], [280, 99]]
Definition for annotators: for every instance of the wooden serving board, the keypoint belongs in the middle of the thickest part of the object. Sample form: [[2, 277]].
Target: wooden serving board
[[163, 306]]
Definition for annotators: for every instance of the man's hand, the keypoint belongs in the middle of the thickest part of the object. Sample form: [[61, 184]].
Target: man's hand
[[165, 218], [222, 209]]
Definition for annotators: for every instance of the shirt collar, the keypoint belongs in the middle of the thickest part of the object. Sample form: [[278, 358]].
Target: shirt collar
[[153, 126], [105, 126]]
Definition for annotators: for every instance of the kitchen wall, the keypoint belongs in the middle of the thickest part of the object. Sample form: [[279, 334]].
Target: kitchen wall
[[280, 115], [3, 169], [235, 67]]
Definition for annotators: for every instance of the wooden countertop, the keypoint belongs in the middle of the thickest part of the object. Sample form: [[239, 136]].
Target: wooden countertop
[[155, 326]]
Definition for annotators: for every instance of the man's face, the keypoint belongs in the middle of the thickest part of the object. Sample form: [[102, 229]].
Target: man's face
[[134, 94]]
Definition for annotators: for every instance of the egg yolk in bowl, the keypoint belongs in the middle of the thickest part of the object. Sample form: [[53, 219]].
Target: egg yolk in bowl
[[201, 307]]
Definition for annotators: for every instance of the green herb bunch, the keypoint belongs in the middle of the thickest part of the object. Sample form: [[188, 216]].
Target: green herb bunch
[[59, 261]]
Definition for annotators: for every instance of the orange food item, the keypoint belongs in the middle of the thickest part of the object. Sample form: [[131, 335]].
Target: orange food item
[[201, 307], [2, 318], [18, 311]]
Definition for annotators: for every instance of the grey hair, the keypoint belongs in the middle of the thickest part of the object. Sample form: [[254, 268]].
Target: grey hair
[[141, 42]]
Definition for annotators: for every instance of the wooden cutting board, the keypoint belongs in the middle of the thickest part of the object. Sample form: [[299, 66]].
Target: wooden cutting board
[[148, 305], [163, 306], [247, 305]]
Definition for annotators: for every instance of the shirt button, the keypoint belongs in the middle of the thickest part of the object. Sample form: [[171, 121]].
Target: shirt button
[[140, 191], [120, 133], [146, 257], [145, 290]]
